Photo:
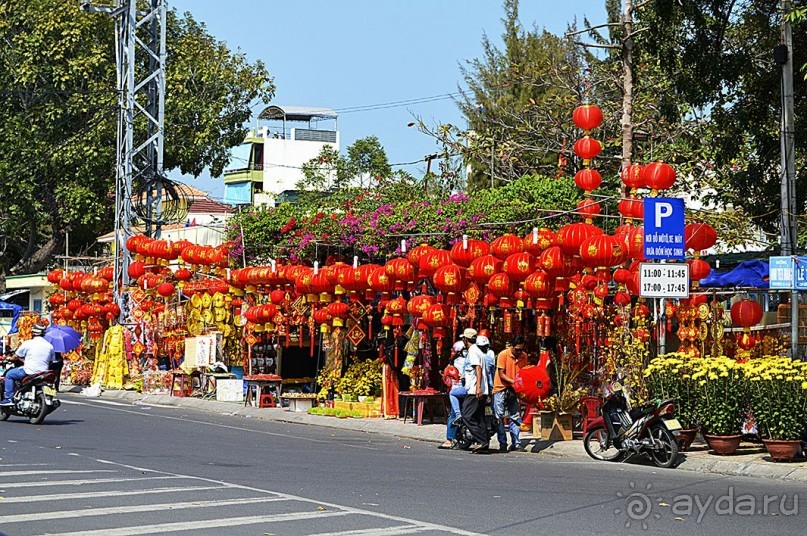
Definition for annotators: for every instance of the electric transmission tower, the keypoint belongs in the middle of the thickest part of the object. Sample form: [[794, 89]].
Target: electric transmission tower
[[139, 180]]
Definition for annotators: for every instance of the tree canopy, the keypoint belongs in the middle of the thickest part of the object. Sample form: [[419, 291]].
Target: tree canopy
[[58, 120]]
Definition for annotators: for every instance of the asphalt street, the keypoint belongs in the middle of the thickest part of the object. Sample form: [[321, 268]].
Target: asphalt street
[[100, 467]]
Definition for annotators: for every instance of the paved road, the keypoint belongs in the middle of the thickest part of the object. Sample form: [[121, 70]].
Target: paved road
[[110, 468]]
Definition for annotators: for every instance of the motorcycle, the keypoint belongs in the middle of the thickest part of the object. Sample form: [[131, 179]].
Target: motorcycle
[[35, 398], [621, 432], [464, 439]]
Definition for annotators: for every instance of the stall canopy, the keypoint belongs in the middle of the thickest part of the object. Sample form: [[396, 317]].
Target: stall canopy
[[16, 311], [747, 274]]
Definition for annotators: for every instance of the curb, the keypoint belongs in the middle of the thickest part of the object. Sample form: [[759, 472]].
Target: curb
[[695, 461]]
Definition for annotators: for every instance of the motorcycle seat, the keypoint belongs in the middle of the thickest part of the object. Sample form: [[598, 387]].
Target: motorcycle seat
[[47, 376]]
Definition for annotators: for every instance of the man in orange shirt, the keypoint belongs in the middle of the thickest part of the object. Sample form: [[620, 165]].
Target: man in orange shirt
[[505, 402]]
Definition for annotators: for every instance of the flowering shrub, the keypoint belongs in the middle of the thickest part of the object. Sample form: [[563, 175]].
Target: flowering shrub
[[372, 222], [777, 388], [670, 376]]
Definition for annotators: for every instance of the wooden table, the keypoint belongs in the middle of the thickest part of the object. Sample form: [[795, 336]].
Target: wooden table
[[181, 375], [422, 401]]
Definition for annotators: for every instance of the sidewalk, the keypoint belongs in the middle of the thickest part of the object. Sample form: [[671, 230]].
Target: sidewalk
[[752, 460]]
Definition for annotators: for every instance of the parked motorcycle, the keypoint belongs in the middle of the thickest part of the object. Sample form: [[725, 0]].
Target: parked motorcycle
[[464, 439], [621, 432], [35, 398]]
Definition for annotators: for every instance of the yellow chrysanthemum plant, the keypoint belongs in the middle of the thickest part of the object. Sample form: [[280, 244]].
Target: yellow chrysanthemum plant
[[670, 376], [777, 388], [721, 395]]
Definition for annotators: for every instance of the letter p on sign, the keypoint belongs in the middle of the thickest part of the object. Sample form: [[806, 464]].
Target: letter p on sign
[[663, 210]]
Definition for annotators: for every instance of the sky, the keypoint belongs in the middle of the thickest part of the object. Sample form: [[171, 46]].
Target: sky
[[352, 53]]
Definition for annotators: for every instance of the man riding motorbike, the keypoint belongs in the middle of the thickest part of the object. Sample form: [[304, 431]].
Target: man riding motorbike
[[36, 355]]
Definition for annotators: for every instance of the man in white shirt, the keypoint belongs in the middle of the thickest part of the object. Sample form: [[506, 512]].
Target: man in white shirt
[[36, 354], [476, 383]]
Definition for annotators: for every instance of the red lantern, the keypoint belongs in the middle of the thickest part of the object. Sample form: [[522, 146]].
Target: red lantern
[[587, 148], [432, 260], [519, 266], [54, 276], [631, 207], [483, 268], [699, 236], [746, 313], [554, 262], [57, 299], [165, 289], [587, 117], [602, 250], [418, 305], [182, 274], [622, 299], [338, 310], [540, 285], [658, 176], [506, 245], [500, 286], [401, 272], [539, 240], [588, 208], [415, 254], [450, 279], [322, 316], [465, 252], [621, 276], [437, 316], [588, 179], [572, 236], [379, 281], [698, 269], [632, 177], [136, 269]]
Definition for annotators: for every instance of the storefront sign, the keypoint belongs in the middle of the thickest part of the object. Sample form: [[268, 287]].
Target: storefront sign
[[663, 228], [664, 280], [781, 272]]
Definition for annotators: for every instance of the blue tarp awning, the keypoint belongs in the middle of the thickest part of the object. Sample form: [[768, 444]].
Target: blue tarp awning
[[748, 274], [16, 312]]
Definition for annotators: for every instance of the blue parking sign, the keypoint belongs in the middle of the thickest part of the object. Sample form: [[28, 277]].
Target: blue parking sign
[[664, 228]]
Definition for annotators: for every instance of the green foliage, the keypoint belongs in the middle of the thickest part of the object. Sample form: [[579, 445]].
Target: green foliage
[[58, 120], [372, 222], [670, 376]]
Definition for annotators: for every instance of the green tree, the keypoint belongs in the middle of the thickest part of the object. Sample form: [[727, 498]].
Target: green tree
[[58, 120]]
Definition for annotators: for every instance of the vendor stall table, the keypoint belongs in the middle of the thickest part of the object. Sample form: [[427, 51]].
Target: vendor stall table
[[181, 377], [421, 402], [210, 380], [266, 390]]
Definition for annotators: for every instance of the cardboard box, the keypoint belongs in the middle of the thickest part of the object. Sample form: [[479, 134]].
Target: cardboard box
[[556, 426]]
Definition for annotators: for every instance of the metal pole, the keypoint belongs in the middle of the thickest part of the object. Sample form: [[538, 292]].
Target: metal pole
[[789, 237]]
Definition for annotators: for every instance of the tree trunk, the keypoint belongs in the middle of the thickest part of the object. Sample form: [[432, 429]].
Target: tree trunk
[[627, 87]]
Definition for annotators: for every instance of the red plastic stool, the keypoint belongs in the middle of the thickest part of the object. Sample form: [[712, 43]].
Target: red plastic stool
[[266, 401], [589, 410]]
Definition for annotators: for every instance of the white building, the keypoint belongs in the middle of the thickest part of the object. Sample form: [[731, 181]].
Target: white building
[[265, 169]]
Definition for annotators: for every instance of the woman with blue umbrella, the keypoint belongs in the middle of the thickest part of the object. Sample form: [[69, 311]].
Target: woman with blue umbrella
[[63, 339]]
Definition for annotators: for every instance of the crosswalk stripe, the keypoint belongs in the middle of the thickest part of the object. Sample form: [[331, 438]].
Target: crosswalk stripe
[[203, 524], [55, 472], [8, 485], [95, 494], [64, 514], [387, 531]]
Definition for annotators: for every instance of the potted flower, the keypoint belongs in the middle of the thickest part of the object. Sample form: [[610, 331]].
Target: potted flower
[[670, 376], [777, 389], [720, 401]]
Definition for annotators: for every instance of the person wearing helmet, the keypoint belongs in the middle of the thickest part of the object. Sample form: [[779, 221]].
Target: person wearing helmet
[[473, 407], [454, 378], [36, 355]]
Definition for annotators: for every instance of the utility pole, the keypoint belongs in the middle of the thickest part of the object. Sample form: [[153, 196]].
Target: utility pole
[[627, 84], [783, 55], [141, 99]]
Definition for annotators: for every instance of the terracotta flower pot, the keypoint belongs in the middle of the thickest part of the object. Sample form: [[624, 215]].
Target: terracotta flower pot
[[686, 437], [723, 445], [782, 450]]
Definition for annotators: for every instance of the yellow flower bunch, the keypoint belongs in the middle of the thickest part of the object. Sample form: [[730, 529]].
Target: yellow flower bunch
[[777, 388], [670, 376]]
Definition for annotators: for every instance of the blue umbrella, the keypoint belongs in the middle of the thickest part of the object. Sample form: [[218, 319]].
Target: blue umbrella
[[63, 338]]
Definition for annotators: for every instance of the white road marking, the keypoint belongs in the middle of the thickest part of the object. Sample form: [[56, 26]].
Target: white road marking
[[424, 524], [202, 525], [4, 485], [231, 427], [64, 514], [93, 494], [25, 465], [388, 531], [110, 402], [55, 472]]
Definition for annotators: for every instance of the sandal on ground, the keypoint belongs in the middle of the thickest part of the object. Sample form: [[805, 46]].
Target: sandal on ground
[[446, 445]]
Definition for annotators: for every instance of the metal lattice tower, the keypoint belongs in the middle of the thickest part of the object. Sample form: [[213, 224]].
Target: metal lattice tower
[[140, 55]]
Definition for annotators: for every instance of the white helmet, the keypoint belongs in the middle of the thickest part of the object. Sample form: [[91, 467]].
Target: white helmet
[[481, 340]]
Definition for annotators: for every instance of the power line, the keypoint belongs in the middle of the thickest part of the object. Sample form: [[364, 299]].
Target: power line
[[396, 104]]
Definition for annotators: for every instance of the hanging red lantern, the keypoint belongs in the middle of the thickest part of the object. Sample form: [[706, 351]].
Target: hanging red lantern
[[587, 116], [634, 284], [539, 240], [57, 299], [631, 207], [401, 272], [587, 148], [483, 268], [506, 245], [588, 179], [572, 236], [451, 280], [54, 276], [602, 250], [746, 313], [322, 316], [658, 176], [557, 263], [278, 297], [519, 266], [588, 208], [500, 285], [418, 305], [632, 177], [338, 310], [621, 276], [698, 269], [464, 252], [415, 254], [66, 283], [379, 281], [540, 284], [699, 236], [622, 299], [165, 289], [432, 260]]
